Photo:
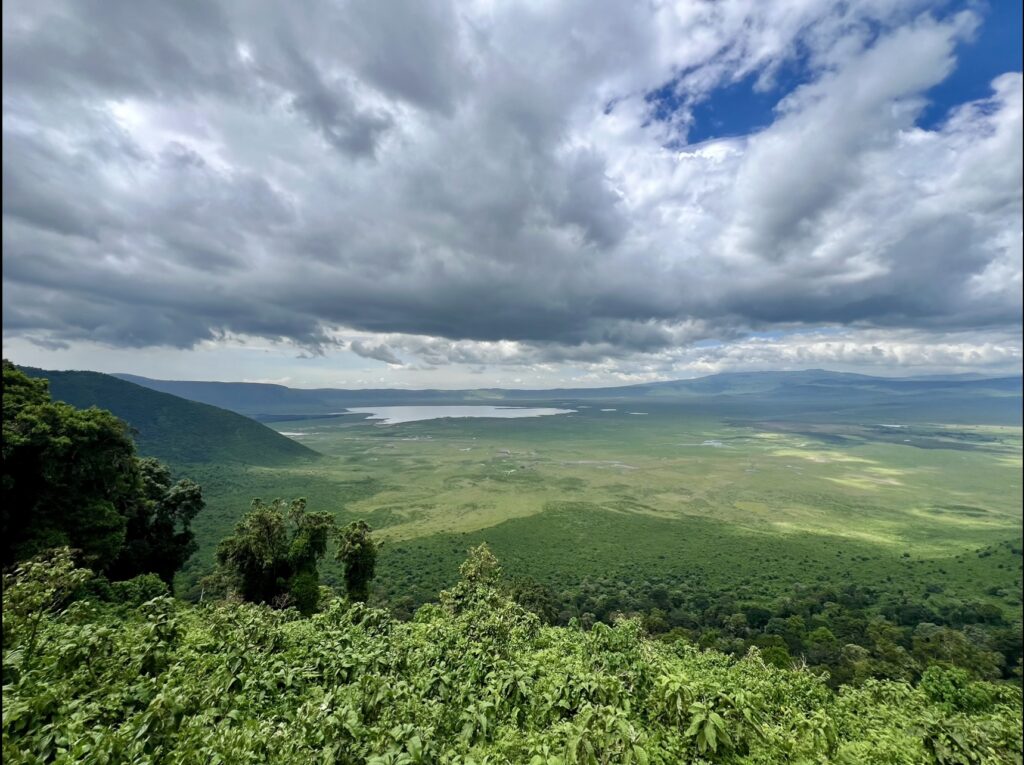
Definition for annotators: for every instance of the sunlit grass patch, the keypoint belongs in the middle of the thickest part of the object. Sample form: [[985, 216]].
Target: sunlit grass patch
[[821, 455]]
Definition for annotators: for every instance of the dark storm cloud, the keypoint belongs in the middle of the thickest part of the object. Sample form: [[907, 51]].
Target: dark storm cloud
[[177, 172]]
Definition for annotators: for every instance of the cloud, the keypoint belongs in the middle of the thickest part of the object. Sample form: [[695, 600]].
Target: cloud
[[487, 184], [380, 352], [867, 350]]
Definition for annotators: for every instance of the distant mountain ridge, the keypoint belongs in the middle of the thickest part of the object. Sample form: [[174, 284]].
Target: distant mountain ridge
[[274, 402], [173, 428]]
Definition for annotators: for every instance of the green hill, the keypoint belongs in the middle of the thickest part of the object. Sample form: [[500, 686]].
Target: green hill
[[174, 429]]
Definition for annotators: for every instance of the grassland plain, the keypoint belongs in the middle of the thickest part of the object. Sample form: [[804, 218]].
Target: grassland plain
[[650, 490]]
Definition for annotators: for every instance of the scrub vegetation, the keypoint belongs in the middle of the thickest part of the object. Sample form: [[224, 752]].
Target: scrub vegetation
[[473, 679]]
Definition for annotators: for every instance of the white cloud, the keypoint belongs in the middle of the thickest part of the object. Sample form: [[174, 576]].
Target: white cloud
[[457, 185]]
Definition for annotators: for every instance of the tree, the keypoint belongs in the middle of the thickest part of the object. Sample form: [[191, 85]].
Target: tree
[[69, 475], [310, 534], [358, 554], [534, 596], [159, 536], [822, 647], [274, 554], [71, 478], [941, 645], [890, 658], [757, 617]]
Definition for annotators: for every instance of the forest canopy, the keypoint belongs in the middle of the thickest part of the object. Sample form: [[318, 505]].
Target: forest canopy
[[71, 477]]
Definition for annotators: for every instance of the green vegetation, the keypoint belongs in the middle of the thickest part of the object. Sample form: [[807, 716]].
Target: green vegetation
[[686, 584], [475, 679], [158, 534], [679, 589], [358, 554], [272, 557], [677, 493], [906, 546], [71, 477], [172, 429]]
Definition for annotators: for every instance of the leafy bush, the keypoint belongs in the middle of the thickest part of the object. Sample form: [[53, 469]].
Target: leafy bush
[[136, 591], [474, 679]]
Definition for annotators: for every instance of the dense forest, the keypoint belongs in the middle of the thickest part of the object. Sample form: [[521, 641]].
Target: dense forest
[[102, 664], [847, 632]]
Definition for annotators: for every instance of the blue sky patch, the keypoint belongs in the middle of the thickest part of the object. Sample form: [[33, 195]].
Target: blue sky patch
[[738, 108], [995, 50], [735, 109]]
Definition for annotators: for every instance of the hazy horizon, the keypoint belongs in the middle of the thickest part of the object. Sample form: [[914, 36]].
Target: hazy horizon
[[370, 386]]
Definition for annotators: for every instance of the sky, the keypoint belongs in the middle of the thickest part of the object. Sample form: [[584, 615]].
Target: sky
[[433, 194]]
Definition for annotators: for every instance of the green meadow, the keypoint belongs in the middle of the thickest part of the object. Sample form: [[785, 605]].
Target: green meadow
[[660, 492]]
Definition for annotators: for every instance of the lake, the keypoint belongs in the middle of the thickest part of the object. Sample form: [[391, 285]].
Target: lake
[[393, 415]]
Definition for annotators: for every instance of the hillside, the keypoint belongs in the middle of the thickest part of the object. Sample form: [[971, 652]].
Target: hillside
[[175, 429], [475, 679], [740, 394], [267, 401]]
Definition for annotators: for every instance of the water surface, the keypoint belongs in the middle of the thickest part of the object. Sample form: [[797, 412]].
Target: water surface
[[393, 415]]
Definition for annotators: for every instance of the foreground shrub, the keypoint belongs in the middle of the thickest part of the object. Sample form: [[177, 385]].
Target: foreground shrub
[[476, 679]]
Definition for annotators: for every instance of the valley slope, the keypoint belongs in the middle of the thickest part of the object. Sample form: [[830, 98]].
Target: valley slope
[[175, 429]]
